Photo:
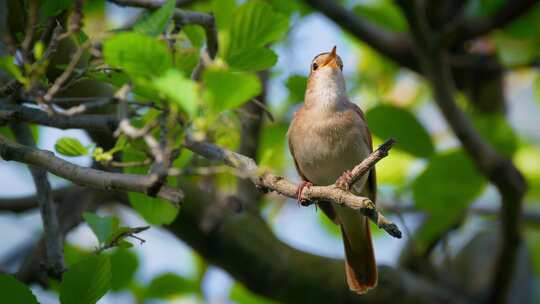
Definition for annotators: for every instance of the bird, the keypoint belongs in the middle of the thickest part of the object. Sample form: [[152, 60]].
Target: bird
[[327, 137]]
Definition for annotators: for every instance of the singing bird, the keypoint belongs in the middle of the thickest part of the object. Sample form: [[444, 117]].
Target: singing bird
[[327, 137]]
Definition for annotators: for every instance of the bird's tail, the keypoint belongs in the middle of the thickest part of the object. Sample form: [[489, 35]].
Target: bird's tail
[[360, 265]]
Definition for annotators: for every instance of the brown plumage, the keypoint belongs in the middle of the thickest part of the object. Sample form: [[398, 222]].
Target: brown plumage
[[329, 135]]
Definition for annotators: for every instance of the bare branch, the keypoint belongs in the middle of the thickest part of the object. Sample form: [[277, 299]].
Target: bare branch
[[85, 176], [104, 123], [54, 241], [268, 181]]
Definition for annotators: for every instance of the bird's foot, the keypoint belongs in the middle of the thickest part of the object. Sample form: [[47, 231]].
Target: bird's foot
[[344, 180], [299, 191]]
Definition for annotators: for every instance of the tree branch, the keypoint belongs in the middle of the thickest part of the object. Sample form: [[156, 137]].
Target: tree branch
[[463, 28], [104, 123], [85, 176], [283, 273], [499, 170], [268, 181], [54, 241]]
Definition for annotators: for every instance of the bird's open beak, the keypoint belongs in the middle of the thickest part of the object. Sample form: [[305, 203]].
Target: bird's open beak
[[331, 60]]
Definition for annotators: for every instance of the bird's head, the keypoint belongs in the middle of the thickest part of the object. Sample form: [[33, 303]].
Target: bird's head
[[326, 83]]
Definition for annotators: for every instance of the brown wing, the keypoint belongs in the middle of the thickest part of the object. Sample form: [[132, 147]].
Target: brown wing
[[372, 178], [326, 207]]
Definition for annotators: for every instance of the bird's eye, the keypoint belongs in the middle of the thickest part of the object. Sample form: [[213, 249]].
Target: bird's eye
[[315, 66]]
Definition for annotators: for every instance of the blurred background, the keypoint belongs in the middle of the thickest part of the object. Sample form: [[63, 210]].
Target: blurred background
[[428, 185]]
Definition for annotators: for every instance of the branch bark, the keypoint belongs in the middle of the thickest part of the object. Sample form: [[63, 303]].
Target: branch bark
[[54, 241], [104, 123], [85, 176]]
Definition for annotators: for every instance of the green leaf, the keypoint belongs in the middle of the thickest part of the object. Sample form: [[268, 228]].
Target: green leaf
[[176, 87], [137, 54], [87, 281], [449, 181], [169, 284], [256, 59], [103, 227], [393, 170], [7, 64], [496, 129], [70, 146], [537, 88], [74, 254], [124, 264], [384, 13], [195, 34], [53, 7], [223, 12], [256, 24], [186, 59], [155, 22], [297, 87], [154, 210], [225, 90], [387, 121], [527, 159], [241, 295], [15, 292]]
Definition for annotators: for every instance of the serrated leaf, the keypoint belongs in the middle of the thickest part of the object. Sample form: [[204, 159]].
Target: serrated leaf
[[387, 121], [252, 60], [103, 227], [169, 284], [255, 24], [450, 180], [137, 54], [124, 264], [155, 22], [15, 292], [86, 281], [176, 87], [70, 146], [225, 90]]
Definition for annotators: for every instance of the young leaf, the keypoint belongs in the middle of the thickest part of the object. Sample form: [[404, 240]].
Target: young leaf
[[15, 292], [225, 90], [383, 13], [255, 59], [450, 180], [387, 121], [176, 87], [103, 227], [137, 54], [70, 146], [155, 22], [169, 284], [124, 264], [86, 281]]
